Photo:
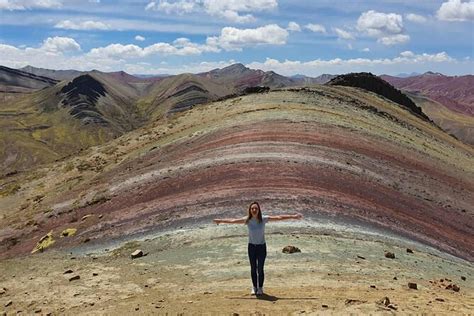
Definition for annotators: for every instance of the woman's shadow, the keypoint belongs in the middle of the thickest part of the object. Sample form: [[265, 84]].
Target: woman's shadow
[[272, 298]]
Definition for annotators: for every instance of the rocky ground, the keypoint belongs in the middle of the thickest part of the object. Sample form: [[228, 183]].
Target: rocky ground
[[203, 268]]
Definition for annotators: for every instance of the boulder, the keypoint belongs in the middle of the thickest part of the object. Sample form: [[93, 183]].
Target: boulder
[[137, 254], [413, 286], [45, 241], [290, 249], [390, 255], [68, 232]]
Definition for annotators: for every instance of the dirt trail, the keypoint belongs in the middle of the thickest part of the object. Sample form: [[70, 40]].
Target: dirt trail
[[204, 269]]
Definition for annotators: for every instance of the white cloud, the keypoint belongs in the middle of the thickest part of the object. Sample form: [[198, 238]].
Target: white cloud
[[28, 4], [343, 34], [455, 10], [139, 38], [415, 18], [60, 44], [405, 61], [366, 50], [293, 27], [386, 27], [318, 28], [232, 38], [180, 47], [228, 9], [83, 25], [394, 39]]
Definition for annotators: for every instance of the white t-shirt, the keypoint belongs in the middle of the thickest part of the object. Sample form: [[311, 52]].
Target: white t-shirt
[[257, 230]]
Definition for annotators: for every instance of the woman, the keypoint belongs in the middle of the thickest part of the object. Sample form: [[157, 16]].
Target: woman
[[257, 248]]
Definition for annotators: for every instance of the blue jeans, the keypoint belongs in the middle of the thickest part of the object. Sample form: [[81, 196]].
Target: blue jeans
[[257, 255]]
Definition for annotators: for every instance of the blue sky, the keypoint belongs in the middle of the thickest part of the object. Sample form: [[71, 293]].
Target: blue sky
[[289, 37]]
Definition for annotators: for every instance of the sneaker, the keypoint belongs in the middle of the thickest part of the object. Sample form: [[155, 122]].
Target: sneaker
[[260, 291], [254, 291]]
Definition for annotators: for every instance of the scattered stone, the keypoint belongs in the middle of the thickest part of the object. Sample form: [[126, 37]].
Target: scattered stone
[[38, 310], [384, 301], [395, 278], [76, 277], [439, 299], [8, 303], [235, 314], [137, 308], [3, 290], [69, 232], [373, 286], [412, 285], [100, 216], [68, 271], [137, 254], [463, 278], [87, 239], [352, 301], [453, 287], [207, 292], [390, 255], [409, 250], [95, 274], [290, 249], [45, 241], [85, 217], [360, 257], [391, 306], [324, 306], [189, 302]]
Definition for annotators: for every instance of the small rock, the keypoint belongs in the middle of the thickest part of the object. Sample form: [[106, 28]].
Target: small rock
[[207, 292], [76, 277], [463, 278], [290, 249], [352, 301], [384, 301], [324, 306], [38, 310], [100, 216], [8, 303], [360, 257], [68, 271], [137, 308], [373, 286], [235, 314], [391, 306], [453, 287], [409, 250], [95, 274], [189, 302], [412, 285], [137, 254], [85, 217], [3, 290], [390, 255], [395, 278], [439, 299], [87, 239]]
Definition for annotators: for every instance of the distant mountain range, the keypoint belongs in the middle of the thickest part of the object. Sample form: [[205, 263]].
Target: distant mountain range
[[56, 112]]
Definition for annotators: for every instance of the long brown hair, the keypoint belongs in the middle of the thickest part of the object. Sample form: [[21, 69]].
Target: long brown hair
[[249, 213]]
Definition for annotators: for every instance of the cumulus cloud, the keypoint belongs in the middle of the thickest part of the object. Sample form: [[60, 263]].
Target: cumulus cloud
[[415, 18], [60, 44], [455, 10], [83, 25], [231, 10], [232, 38], [366, 50], [406, 60], [294, 27], [139, 38], [386, 27], [28, 4], [317, 28], [343, 34]]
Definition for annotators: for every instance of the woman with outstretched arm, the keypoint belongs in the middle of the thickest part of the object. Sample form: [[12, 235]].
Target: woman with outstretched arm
[[257, 248]]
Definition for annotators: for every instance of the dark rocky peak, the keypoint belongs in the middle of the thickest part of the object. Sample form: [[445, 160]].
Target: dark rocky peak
[[86, 86], [370, 82]]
